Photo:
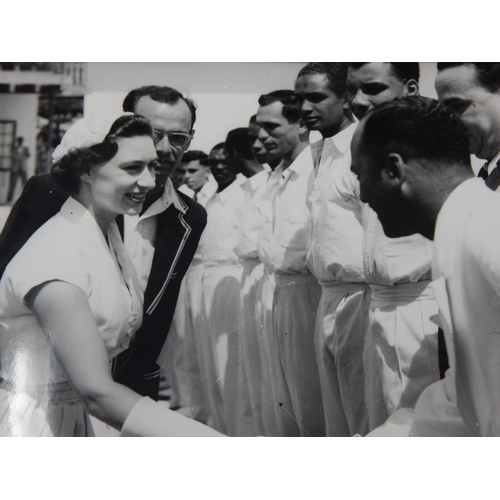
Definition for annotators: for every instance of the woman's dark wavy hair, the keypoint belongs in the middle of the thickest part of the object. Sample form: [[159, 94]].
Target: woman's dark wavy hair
[[66, 172]]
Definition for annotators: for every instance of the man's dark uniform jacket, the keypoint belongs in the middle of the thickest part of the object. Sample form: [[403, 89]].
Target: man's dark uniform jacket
[[176, 241]]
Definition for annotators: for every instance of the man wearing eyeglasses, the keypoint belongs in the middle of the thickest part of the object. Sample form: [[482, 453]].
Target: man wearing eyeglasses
[[161, 241]]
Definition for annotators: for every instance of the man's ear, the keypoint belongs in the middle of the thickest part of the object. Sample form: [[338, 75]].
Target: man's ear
[[303, 130], [394, 169], [411, 87]]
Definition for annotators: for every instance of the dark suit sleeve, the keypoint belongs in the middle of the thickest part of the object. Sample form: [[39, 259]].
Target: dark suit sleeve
[[136, 367], [40, 200]]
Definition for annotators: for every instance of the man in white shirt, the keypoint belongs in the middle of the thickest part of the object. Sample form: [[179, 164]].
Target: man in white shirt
[[471, 91], [334, 248], [401, 345], [198, 181], [260, 283], [412, 160], [240, 157], [217, 325], [178, 359], [282, 249]]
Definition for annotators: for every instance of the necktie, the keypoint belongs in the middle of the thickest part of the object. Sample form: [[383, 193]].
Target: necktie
[[483, 173], [493, 180]]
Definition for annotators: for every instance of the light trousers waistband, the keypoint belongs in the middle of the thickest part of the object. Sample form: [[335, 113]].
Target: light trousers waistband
[[59, 392], [298, 279], [223, 264], [347, 286], [419, 290], [251, 262]]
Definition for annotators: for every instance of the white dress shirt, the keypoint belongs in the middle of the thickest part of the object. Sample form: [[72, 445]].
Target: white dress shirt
[[219, 239], [335, 245], [284, 233], [389, 261], [466, 271], [140, 232], [249, 215]]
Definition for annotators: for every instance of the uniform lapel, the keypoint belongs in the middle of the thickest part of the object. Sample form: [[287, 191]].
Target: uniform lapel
[[172, 234]]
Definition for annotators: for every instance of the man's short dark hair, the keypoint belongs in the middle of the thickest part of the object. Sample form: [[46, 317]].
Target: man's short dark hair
[[403, 71], [168, 95], [335, 72], [415, 127], [290, 104], [195, 155], [237, 140], [218, 146], [488, 74]]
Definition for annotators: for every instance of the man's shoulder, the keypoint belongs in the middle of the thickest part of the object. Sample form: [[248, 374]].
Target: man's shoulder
[[194, 209]]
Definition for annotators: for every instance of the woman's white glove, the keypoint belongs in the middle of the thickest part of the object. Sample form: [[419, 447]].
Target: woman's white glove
[[151, 419]]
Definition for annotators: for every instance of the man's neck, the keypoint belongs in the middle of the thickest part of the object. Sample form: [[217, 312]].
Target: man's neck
[[338, 128], [225, 185], [251, 167], [289, 158], [434, 203]]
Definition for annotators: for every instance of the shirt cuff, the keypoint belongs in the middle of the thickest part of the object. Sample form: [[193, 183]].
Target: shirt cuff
[[151, 419]]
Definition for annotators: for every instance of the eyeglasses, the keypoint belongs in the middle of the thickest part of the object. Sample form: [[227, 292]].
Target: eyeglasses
[[176, 139]]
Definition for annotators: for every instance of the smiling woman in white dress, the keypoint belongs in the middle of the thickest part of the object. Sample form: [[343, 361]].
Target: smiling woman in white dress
[[70, 300]]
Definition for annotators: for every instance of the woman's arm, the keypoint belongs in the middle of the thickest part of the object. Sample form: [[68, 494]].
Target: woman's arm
[[64, 313]]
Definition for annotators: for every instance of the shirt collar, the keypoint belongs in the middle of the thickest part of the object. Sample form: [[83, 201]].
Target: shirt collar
[[299, 164], [74, 210], [343, 139], [493, 163], [226, 193], [258, 178], [168, 197]]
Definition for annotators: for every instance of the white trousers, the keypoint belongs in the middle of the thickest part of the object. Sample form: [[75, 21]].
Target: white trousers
[[401, 350], [339, 339], [300, 411], [250, 344], [180, 355], [264, 312], [219, 330]]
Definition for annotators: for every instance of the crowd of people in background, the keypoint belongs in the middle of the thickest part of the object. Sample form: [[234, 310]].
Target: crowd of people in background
[[328, 270]]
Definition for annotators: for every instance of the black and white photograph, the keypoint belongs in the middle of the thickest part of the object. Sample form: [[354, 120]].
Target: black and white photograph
[[260, 249], [205, 234]]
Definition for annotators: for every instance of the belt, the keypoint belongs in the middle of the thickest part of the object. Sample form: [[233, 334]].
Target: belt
[[58, 392], [409, 291], [343, 285], [297, 279]]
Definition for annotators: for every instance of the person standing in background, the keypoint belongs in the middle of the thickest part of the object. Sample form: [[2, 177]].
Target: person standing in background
[[335, 249], [401, 347], [282, 249], [179, 358], [471, 91], [217, 325], [20, 155]]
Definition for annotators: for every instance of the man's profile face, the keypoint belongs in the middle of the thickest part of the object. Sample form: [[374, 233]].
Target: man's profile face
[[375, 190], [460, 91], [319, 106], [276, 133], [166, 118], [371, 85], [195, 175], [256, 145]]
